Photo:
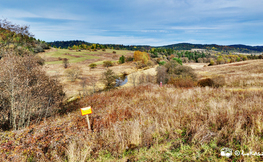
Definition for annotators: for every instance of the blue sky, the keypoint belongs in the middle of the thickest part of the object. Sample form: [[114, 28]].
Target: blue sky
[[140, 22]]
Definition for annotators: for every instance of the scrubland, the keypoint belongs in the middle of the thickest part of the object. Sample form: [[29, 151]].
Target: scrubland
[[54, 67], [153, 123]]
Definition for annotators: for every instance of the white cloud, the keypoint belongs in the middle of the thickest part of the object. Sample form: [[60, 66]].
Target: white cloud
[[17, 13], [192, 27]]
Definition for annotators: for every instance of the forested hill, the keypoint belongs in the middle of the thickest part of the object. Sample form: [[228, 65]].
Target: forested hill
[[180, 46], [67, 44], [230, 48]]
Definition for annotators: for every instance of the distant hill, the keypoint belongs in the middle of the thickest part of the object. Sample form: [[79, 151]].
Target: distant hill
[[180, 46], [230, 48], [66, 44]]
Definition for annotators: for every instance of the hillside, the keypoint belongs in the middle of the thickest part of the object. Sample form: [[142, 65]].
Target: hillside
[[18, 38], [180, 46], [54, 67], [150, 123]]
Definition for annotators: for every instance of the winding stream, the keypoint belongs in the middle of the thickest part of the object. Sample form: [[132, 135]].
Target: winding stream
[[121, 81]]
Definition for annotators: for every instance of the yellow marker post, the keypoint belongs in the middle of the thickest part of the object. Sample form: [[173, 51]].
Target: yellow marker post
[[86, 111]]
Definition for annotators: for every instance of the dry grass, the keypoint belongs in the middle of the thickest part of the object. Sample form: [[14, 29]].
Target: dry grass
[[243, 75], [82, 60], [149, 123], [132, 120]]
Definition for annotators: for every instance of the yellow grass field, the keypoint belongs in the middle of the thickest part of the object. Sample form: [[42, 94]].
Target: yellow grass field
[[55, 68], [150, 123]]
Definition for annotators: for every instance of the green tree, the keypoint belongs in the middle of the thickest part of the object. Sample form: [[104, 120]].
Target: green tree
[[109, 79], [178, 60], [162, 62], [122, 59]]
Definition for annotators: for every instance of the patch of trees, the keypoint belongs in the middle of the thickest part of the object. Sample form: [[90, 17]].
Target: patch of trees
[[66, 44], [18, 38], [70, 44], [185, 56], [142, 60], [178, 75], [27, 94]]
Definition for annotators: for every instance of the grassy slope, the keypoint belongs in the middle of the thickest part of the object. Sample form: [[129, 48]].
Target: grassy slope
[[149, 123], [81, 59], [76, 57]]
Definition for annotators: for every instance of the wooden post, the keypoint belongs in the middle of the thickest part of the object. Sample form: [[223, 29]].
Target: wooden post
[[85, 111], [88, 121]]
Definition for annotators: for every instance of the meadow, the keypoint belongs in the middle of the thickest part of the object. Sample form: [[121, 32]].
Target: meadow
[[55, 68], [152, 123]]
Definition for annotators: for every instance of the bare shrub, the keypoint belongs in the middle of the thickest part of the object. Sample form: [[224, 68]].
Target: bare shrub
[[107, 63], [171, 65], [92, 80], [39, 60], [205, 82], [77, 151], [133, 77], [184, 71], [219, 81], [185, 82], [140, 65], [185, 59], [200, 60], [26, 94], [65, 63], [150, 63], [73, 73], [142, 78], [128, 59], [161, 75], [216, 81]]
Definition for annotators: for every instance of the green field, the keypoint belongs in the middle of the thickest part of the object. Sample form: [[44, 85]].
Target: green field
[[75, 57]]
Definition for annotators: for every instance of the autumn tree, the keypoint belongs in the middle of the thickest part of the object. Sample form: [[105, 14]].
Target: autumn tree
[[14, 36], [141, 56]]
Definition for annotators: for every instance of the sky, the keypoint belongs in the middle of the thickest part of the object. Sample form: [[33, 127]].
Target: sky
[[140, 22]]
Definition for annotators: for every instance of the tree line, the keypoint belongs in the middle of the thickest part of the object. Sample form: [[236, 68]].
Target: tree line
[[177, 47]]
